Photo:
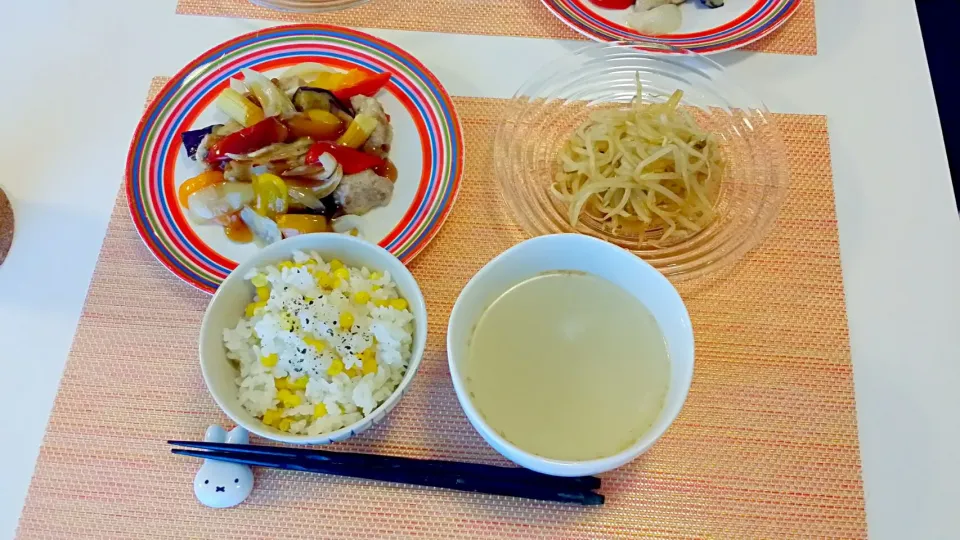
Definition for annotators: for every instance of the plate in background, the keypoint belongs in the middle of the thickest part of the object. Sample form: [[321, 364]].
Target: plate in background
[[704, 30]]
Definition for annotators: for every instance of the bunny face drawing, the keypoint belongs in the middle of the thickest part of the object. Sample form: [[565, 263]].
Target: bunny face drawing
[[219, 484]]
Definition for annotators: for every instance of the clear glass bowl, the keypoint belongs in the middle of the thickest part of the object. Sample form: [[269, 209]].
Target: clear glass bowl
[[308, 6], [546, 109]]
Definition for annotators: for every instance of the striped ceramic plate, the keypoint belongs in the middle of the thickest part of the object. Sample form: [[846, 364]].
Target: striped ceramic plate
[[427, 146], [704, 30]]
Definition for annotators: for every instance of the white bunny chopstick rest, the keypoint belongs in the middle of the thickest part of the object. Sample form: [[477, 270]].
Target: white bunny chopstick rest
[[219, 484]]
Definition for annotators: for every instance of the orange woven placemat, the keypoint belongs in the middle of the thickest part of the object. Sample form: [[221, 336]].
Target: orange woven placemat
[[766, 446], [520, 18]]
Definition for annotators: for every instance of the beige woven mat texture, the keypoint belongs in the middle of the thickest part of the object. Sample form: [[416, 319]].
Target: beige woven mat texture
[[520, 18], [766, 446]]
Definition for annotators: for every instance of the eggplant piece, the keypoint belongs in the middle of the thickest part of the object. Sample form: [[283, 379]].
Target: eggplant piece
[[193, 139], [308, 97], [331, 208]]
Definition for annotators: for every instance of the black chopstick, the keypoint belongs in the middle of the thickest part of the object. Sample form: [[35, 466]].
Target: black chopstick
[[504, 474], [422, 478], [461, 480]]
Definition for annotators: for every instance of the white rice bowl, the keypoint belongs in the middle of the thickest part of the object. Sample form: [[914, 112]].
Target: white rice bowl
[[301, 369]]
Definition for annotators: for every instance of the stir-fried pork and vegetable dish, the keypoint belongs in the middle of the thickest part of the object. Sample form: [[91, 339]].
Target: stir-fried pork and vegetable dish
[[305, 152]]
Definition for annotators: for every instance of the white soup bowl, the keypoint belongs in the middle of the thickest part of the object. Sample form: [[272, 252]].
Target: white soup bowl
[[573, 252]]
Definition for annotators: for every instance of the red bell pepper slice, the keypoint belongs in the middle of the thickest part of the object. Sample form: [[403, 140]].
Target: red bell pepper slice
[[265, 132], [352, 161], [365, 87]]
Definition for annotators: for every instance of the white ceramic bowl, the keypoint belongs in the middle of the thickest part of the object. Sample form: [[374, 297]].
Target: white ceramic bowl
[[227, 307], [586, 254]]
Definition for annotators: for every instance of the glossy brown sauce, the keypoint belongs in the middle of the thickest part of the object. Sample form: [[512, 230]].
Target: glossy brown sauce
[[388, 170], [236, 230]]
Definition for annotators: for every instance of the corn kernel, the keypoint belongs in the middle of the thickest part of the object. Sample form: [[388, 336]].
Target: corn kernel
[[399, 304], [252, 308], [352, 372], [380, 302], [317, 344], [336, 264], [369, 358], [361, 297], [375, 276], [323, 279], [269, 360], [375, 287], [288, 399], [319, 410], [335, 282], [336, 367], [284, 424], [281, 383], [346, 320], [342, 273], [285, 264], [301, 383], [259, 280], [272, 416], [263, 293]]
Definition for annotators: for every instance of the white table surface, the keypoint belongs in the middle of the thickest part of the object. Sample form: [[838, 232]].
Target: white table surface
[[75, 77]]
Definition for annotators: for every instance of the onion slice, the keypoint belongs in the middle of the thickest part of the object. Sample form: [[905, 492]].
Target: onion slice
[[271, 98]]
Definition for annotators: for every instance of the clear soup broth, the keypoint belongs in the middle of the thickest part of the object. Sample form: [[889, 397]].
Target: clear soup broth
[[568, 366]]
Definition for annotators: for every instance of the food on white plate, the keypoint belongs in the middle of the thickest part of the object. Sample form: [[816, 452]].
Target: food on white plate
[[298, 152], [663, 19], [321, 345], [361, 192], [568, 366], [648, 170], [653, 17]]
